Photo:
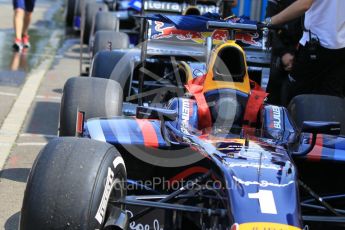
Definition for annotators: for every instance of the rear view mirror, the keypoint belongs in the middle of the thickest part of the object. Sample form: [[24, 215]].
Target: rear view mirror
[[318, 127], [155, 113]]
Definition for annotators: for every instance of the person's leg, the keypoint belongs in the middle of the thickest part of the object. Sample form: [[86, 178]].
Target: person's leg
[[18, 22], [332, 78], [274, 86], [286, 91], [304, 73], [275, 80], [27, 20], [18, 29], [29, 6]]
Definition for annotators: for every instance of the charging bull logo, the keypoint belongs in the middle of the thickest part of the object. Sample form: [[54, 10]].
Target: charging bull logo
[[171, 31], [248, 38], [221, 35], [162, 31]]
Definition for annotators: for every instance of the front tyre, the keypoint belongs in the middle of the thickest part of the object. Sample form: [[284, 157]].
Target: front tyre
[[70, 185]]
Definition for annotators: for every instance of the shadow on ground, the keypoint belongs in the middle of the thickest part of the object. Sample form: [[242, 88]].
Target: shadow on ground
[[15, 174], [12, 222], [77, 50], [57, 90], [43, 118]]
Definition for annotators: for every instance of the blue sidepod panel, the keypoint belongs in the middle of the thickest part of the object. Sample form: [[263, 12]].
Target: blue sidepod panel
[[126, 131], [277, 124], [132, 131]]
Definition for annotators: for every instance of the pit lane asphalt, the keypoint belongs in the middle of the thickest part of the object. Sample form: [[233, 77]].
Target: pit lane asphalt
[[55, 56]]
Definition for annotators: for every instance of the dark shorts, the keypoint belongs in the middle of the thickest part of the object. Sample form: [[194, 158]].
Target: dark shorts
[[326, 75], [27, 5]]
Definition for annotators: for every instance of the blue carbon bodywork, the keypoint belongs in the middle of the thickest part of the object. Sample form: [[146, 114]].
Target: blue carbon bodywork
[[124, 131], [257, 169], [277, 124], [260, 178], [328, 148]]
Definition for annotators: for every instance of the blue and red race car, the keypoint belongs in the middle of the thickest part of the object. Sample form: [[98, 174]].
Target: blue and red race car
[[177, 136]]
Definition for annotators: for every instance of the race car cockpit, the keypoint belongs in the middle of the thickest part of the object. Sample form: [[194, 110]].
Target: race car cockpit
[[219, 96]]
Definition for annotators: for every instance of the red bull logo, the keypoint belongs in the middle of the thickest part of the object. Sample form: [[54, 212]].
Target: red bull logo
[[162, 31], [248, 38], [171, 31], [221, 35]]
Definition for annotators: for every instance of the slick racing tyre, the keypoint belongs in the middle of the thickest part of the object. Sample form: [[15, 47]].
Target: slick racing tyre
[[88, 16], [109, 40], [70, 185], [105, 21], [70, 8], [95, 96], [104, 62], [114, 65], [313, 107]]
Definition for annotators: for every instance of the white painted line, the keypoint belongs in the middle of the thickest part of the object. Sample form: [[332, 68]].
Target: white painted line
[[37, 135], [49, 97], [32, 144], [8, 94], [44, 56], [2, 38], [16, 117]]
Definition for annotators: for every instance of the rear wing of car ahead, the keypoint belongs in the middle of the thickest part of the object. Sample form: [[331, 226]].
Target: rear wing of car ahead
[[180, 6], [160, 37]]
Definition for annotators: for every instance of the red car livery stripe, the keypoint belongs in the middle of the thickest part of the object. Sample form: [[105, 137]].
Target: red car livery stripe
[[149, 133], [316, 153]]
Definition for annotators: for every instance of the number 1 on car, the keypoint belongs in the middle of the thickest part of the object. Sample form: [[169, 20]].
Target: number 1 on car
[[266, 201]]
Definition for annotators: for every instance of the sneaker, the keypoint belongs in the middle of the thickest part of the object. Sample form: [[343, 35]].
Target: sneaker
[[18, 45], [26, 41]]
